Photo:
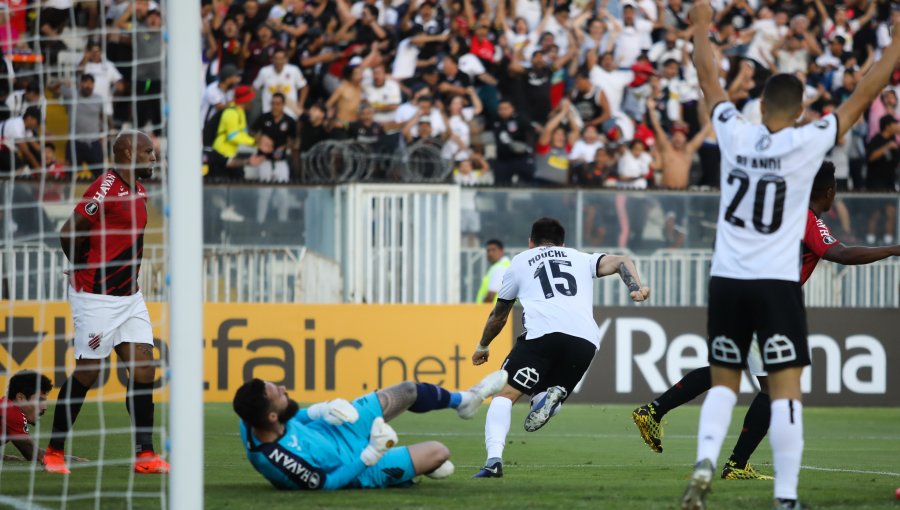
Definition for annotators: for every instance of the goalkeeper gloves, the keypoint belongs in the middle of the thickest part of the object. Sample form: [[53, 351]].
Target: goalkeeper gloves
[[335, 412], [381, 439]]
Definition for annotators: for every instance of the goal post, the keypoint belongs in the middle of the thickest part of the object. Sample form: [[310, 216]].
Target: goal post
[[185, 233]]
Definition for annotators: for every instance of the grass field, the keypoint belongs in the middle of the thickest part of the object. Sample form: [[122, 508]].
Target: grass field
[[587, 457]]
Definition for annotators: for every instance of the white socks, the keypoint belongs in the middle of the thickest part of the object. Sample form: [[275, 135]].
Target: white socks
[[715, 416], [786, 438], [496, 426]]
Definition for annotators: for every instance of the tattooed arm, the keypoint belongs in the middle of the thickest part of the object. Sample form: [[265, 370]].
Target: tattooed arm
[[494, 325], [624, 266]]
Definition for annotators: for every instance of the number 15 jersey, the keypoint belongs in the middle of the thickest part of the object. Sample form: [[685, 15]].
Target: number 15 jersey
[[766, 181], [555, 286]]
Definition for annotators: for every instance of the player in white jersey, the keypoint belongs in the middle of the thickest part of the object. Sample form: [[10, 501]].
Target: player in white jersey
[[555, 286], [767, 174]]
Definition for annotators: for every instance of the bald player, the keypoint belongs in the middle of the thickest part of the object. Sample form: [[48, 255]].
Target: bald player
[[103, 240]]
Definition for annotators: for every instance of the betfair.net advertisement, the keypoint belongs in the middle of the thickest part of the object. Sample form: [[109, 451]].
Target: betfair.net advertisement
[[317, 352]]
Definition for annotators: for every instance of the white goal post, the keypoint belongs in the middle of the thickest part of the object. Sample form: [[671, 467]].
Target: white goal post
[[185, 254]]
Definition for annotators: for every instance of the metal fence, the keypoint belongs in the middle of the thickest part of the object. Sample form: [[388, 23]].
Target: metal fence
[[36, 272], [679, 278]]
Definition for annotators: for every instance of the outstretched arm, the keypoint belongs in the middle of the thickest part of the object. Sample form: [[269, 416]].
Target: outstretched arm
[[704, 60], [856, 255], [624, 266], [870, 86]]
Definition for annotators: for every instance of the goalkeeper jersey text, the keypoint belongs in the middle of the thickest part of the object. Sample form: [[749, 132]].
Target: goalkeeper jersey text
[[306, 457], [555, 286], [766, 180]]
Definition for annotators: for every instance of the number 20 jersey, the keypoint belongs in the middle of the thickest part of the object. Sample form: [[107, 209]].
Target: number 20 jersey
[[766, 181], [555, 286]]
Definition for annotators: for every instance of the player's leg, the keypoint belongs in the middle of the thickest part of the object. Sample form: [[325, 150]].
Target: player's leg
[[93, 343], [525, 364], [496, 428], [401, 464], [571, 357], [729, 333], [68, 405], [648, 418], [136, 351], [785, 352], [424, 397], [756, 425]]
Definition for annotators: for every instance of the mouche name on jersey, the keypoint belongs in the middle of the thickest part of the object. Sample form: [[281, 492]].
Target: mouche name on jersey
[[759, 163], [547, 254]]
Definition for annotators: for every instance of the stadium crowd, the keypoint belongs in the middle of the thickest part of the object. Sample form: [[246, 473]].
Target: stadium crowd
[[543, 92]]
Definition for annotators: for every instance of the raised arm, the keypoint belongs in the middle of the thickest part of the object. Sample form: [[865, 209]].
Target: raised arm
[[870, 86], [661, 138], [553, 123], [704, 59], [624, 267]]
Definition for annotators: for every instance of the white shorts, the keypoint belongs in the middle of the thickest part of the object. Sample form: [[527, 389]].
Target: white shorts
[[102, 322], [754, 360]]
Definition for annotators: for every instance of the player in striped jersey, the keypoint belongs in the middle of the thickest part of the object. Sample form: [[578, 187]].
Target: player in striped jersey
[[104, 239]]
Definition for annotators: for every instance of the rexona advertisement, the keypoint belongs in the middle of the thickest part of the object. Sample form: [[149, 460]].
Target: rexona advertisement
[[327, 351], [645, 350]]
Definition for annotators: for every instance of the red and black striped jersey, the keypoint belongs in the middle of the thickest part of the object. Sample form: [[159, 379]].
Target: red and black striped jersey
[[816, 241], [118, 216]]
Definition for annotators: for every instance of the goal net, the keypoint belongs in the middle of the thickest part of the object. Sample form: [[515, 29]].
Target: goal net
[[75, 75]]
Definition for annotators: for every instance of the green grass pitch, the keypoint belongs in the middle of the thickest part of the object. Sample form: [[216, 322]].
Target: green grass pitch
[[586, 457]]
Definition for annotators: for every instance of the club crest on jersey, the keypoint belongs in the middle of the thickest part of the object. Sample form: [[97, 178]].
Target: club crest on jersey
[[822, 124], [828, 240], [527, 377], [764, 143], [94, 340], [91, 207]]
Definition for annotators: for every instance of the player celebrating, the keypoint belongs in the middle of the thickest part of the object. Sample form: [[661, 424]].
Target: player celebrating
[[818, 243], [554, 285], [24, 403], [103, 239], [767, 174], [337, 445]]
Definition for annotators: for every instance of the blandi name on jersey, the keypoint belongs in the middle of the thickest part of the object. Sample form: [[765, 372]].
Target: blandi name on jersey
[[547, 254], [760, 163]]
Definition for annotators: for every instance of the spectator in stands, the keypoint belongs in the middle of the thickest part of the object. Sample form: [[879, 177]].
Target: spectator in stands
[[635, 165], [676, 153], [511, 133], [590, 101], [107, 77], [585, 150], [9, 34], [18, 149], [258, 52], [231, 136], [283, 78], [635, 36], [383, 94], [883, 155], [366, 131], [612, 80], [148, 76], [219, 93], [343, 105], [551, 160], [279, 130], [459, 123], [88, 126]]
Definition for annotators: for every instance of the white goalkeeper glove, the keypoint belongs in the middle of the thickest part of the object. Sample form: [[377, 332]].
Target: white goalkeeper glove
[[381, 439], [335, 412]]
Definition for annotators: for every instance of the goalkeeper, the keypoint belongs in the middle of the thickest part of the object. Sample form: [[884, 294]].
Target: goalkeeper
[[338, 444]]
